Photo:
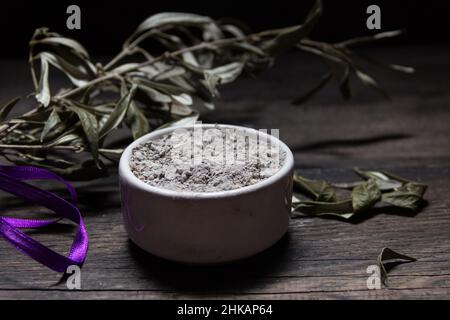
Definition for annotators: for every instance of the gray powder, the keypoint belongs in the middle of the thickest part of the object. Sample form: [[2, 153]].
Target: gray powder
[[206, 160]]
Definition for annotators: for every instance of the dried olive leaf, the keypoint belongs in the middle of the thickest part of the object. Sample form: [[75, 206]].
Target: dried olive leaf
[[396, 67], [119, 112], [392, 66], [90, 126], [346, 185], [189, 57], [319, 190], [132, 66], [408, 196], [6, 109], [67, 42], [365, 196], [43, 91], [370, 82], [233, 29], [136, 121], [165, 18], [183, 83], [395, 177], [52, 121], [152, 93], [388, 256], [211, 82], [77, 74], [367, 39], [379, 187], [209, 105], [291, 37], [366, 174], [336, 61], [170, 73], [175, 19], [295, 200], [227, 73], [250, 48], [191, 67], [385, 180], [163, 87], [178, 109], [66, 138], [183, 98], [342, 209], [310, 93]]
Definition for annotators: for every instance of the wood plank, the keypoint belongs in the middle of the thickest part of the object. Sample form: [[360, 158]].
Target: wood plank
[[317, 255]]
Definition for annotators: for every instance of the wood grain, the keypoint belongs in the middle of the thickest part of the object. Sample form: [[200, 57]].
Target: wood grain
[[318, 258]]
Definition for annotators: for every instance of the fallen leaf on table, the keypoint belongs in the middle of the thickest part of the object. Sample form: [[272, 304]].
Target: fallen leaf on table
[[388, 256]]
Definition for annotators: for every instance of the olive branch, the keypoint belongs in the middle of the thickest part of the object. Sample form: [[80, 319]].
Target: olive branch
[[69, 129]]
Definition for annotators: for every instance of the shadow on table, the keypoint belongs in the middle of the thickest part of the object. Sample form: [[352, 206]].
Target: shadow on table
[[88, 194], [354, 142], [232, 277], [391, 210]]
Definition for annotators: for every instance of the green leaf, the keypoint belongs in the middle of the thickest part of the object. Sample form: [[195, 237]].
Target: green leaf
[[118, 114], [388, 256], [319, 190], [136, 121], [408, 196], [43, 91], [51, 123], [291, 37], [6, 109], [365, 196], [89, 124]]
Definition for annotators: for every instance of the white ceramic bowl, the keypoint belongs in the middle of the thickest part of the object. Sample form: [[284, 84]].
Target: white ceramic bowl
[[213, 227]]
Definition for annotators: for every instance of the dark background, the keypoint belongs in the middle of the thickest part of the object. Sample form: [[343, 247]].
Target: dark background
[[105, 24]]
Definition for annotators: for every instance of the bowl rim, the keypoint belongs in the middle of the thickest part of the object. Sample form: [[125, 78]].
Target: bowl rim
[[126, 173]]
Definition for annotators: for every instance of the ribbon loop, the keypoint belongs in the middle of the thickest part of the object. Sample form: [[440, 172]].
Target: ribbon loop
[[11, 181]]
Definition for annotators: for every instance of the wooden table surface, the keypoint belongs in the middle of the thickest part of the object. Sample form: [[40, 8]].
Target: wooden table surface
[[318, 258]]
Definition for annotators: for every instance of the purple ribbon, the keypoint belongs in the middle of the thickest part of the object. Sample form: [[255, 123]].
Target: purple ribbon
[[11, 181]]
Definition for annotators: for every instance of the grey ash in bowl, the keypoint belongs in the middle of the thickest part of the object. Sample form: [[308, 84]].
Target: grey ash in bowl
[[206, 160]]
